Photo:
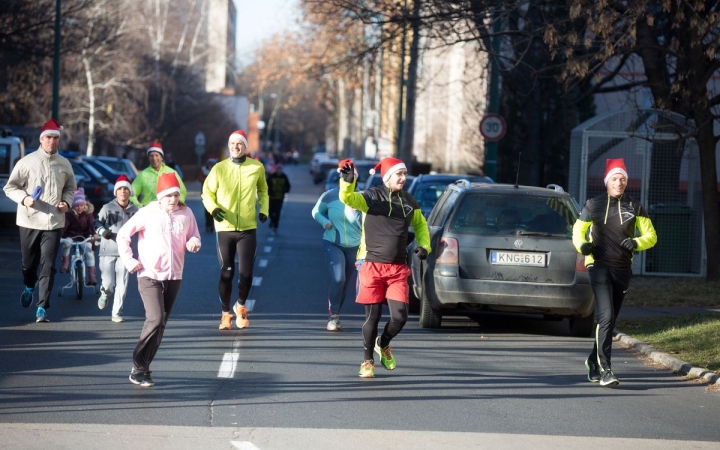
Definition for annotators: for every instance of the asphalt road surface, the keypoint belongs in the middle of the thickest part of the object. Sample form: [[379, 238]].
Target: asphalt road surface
[[286, 383]]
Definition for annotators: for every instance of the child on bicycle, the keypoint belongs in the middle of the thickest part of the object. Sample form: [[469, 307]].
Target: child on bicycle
[[112, 216], [79, 224], [165, 229]]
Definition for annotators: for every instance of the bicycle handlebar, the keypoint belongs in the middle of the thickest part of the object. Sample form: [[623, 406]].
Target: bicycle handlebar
[[74, 241]]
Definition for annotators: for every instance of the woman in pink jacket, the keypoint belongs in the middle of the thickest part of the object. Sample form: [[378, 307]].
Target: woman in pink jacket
[[165, 229]]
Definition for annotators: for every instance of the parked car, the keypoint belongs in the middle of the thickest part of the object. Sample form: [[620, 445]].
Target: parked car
[[108, 172], [503, 248], [122, 165], [376, 180], [94, 183], [322, 169], [363, 169], [428, 188]]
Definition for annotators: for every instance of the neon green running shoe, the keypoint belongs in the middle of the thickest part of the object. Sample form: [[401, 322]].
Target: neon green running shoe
[[367, 369], [386, 356]]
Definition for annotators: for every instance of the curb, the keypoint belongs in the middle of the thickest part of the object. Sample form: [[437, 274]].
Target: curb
[[674, 364]]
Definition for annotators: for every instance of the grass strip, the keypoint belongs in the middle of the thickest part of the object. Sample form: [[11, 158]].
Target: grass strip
[[672, 291], [694, 338]]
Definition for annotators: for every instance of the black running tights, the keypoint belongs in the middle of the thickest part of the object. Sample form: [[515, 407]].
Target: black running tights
[[373, 313]]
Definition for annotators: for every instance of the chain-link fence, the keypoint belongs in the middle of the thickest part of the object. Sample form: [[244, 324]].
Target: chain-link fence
[[663, 174]]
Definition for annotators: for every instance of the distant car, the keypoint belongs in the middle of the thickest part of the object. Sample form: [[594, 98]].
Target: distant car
[[376, 180], [315, 161], [94, 183], [321, 171], [503, 248], [122, 165], [428, 188], [108, 172]]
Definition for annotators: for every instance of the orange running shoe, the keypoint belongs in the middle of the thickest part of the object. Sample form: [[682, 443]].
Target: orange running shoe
[[226, 322], [242, 320]]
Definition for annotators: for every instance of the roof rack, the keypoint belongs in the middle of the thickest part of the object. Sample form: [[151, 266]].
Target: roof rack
[[464, 183], [556, 187], [5, 132]]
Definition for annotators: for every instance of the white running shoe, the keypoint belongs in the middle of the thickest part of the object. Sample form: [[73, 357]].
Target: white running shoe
[[334, 324]]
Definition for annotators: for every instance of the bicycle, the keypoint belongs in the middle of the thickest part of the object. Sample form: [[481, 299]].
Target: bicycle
[[77, 267]]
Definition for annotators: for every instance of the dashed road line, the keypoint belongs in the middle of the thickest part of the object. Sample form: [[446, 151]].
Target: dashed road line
[[228, 365]]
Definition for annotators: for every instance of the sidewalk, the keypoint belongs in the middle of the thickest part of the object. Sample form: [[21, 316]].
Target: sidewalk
[[674, 364]]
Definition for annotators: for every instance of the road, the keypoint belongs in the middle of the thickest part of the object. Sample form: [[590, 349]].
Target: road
[[286, 383]]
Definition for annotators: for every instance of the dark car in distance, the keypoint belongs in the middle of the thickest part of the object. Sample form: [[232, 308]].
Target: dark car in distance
[[428, 188], [503, 248], [94, 184]]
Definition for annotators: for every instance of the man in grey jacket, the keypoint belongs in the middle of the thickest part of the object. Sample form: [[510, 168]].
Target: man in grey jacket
[[43, 185]]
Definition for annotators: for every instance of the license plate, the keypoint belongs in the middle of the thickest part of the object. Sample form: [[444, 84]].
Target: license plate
[[517, 259]]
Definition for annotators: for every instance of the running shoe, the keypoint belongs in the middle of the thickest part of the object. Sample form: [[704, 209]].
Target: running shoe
[[102, 301], [117, 318], [386, 356], [609, 379], [226, 322], [142, 379], [367, 369], [593, 371], [41, 315], [147, 382], [242, 320], [26, 297], [334, 324]]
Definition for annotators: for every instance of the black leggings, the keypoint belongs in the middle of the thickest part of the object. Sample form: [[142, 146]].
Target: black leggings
[[398, 318], [609, 286], [243, 244]]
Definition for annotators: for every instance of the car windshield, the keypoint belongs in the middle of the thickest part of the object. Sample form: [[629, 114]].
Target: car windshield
[[500, 214], [427, 194]]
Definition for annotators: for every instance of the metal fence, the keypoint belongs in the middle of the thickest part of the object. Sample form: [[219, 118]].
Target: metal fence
[[663, 174]]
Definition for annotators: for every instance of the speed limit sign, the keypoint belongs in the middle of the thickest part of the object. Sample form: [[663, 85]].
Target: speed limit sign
[[493, 127]]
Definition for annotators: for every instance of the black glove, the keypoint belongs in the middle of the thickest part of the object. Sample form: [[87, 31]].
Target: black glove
[[587, 248], [107, 234], [262, 217], [628, 244], [421, 253], [347, 170], [218, 214]]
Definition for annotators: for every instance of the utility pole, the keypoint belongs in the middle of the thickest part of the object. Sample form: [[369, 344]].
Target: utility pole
[[491, 148], [56, 63], [401, 95]]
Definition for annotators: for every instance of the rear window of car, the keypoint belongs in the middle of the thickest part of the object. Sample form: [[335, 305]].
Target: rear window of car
[[511, 215]]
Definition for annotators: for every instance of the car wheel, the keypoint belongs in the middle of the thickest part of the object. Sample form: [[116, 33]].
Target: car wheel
[[582, 326], [429, 317]]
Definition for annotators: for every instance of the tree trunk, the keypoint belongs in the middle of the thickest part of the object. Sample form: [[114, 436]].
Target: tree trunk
[[408, 131], [91, 106], [711, 200]]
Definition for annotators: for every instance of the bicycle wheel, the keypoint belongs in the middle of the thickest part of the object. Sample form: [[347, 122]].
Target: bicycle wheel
[[79, 279]]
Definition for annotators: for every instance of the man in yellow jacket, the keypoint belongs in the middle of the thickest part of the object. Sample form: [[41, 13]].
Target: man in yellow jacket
[[230, 193], [146, 182]]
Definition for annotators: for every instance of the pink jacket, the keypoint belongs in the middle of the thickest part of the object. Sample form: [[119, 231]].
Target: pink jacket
[[161, 241]]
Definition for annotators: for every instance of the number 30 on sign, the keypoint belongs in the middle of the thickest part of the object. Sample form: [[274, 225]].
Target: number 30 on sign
[[493, 127]]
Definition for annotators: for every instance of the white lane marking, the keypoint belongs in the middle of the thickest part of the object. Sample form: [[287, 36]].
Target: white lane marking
[[257, 281], [244, 445], [228, 365], [249, 305], [263, 263], [271, 239], [267, 249]]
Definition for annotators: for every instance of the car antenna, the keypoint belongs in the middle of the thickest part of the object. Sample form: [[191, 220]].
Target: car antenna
[[517, 175]]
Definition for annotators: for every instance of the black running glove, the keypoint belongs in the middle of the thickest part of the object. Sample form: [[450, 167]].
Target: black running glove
[[629, 244], [262, 217], [421, 253], [587, 248], [218, 214], [347, 170]]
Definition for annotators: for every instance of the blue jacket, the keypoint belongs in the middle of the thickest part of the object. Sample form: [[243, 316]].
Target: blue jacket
[[347, 222]]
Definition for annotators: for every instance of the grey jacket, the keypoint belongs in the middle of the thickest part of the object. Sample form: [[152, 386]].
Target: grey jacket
[[112, 217], [54, 173]]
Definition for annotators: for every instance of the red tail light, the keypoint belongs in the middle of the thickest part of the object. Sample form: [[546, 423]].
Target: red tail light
[[448, 252], [98, 190], [580, 263]]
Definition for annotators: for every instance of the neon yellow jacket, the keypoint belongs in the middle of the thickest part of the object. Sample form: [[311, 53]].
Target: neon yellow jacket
[[235, 189], [145, 185]]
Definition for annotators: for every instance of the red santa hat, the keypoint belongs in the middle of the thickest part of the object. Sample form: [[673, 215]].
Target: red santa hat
[[613, 166], [155, 147], [167, 184], [242, 135], [388, 166], [79, 198], [51, 127], [122, 181]]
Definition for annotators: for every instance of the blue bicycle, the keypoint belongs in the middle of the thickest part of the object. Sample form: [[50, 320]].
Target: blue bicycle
[[77, 267]]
